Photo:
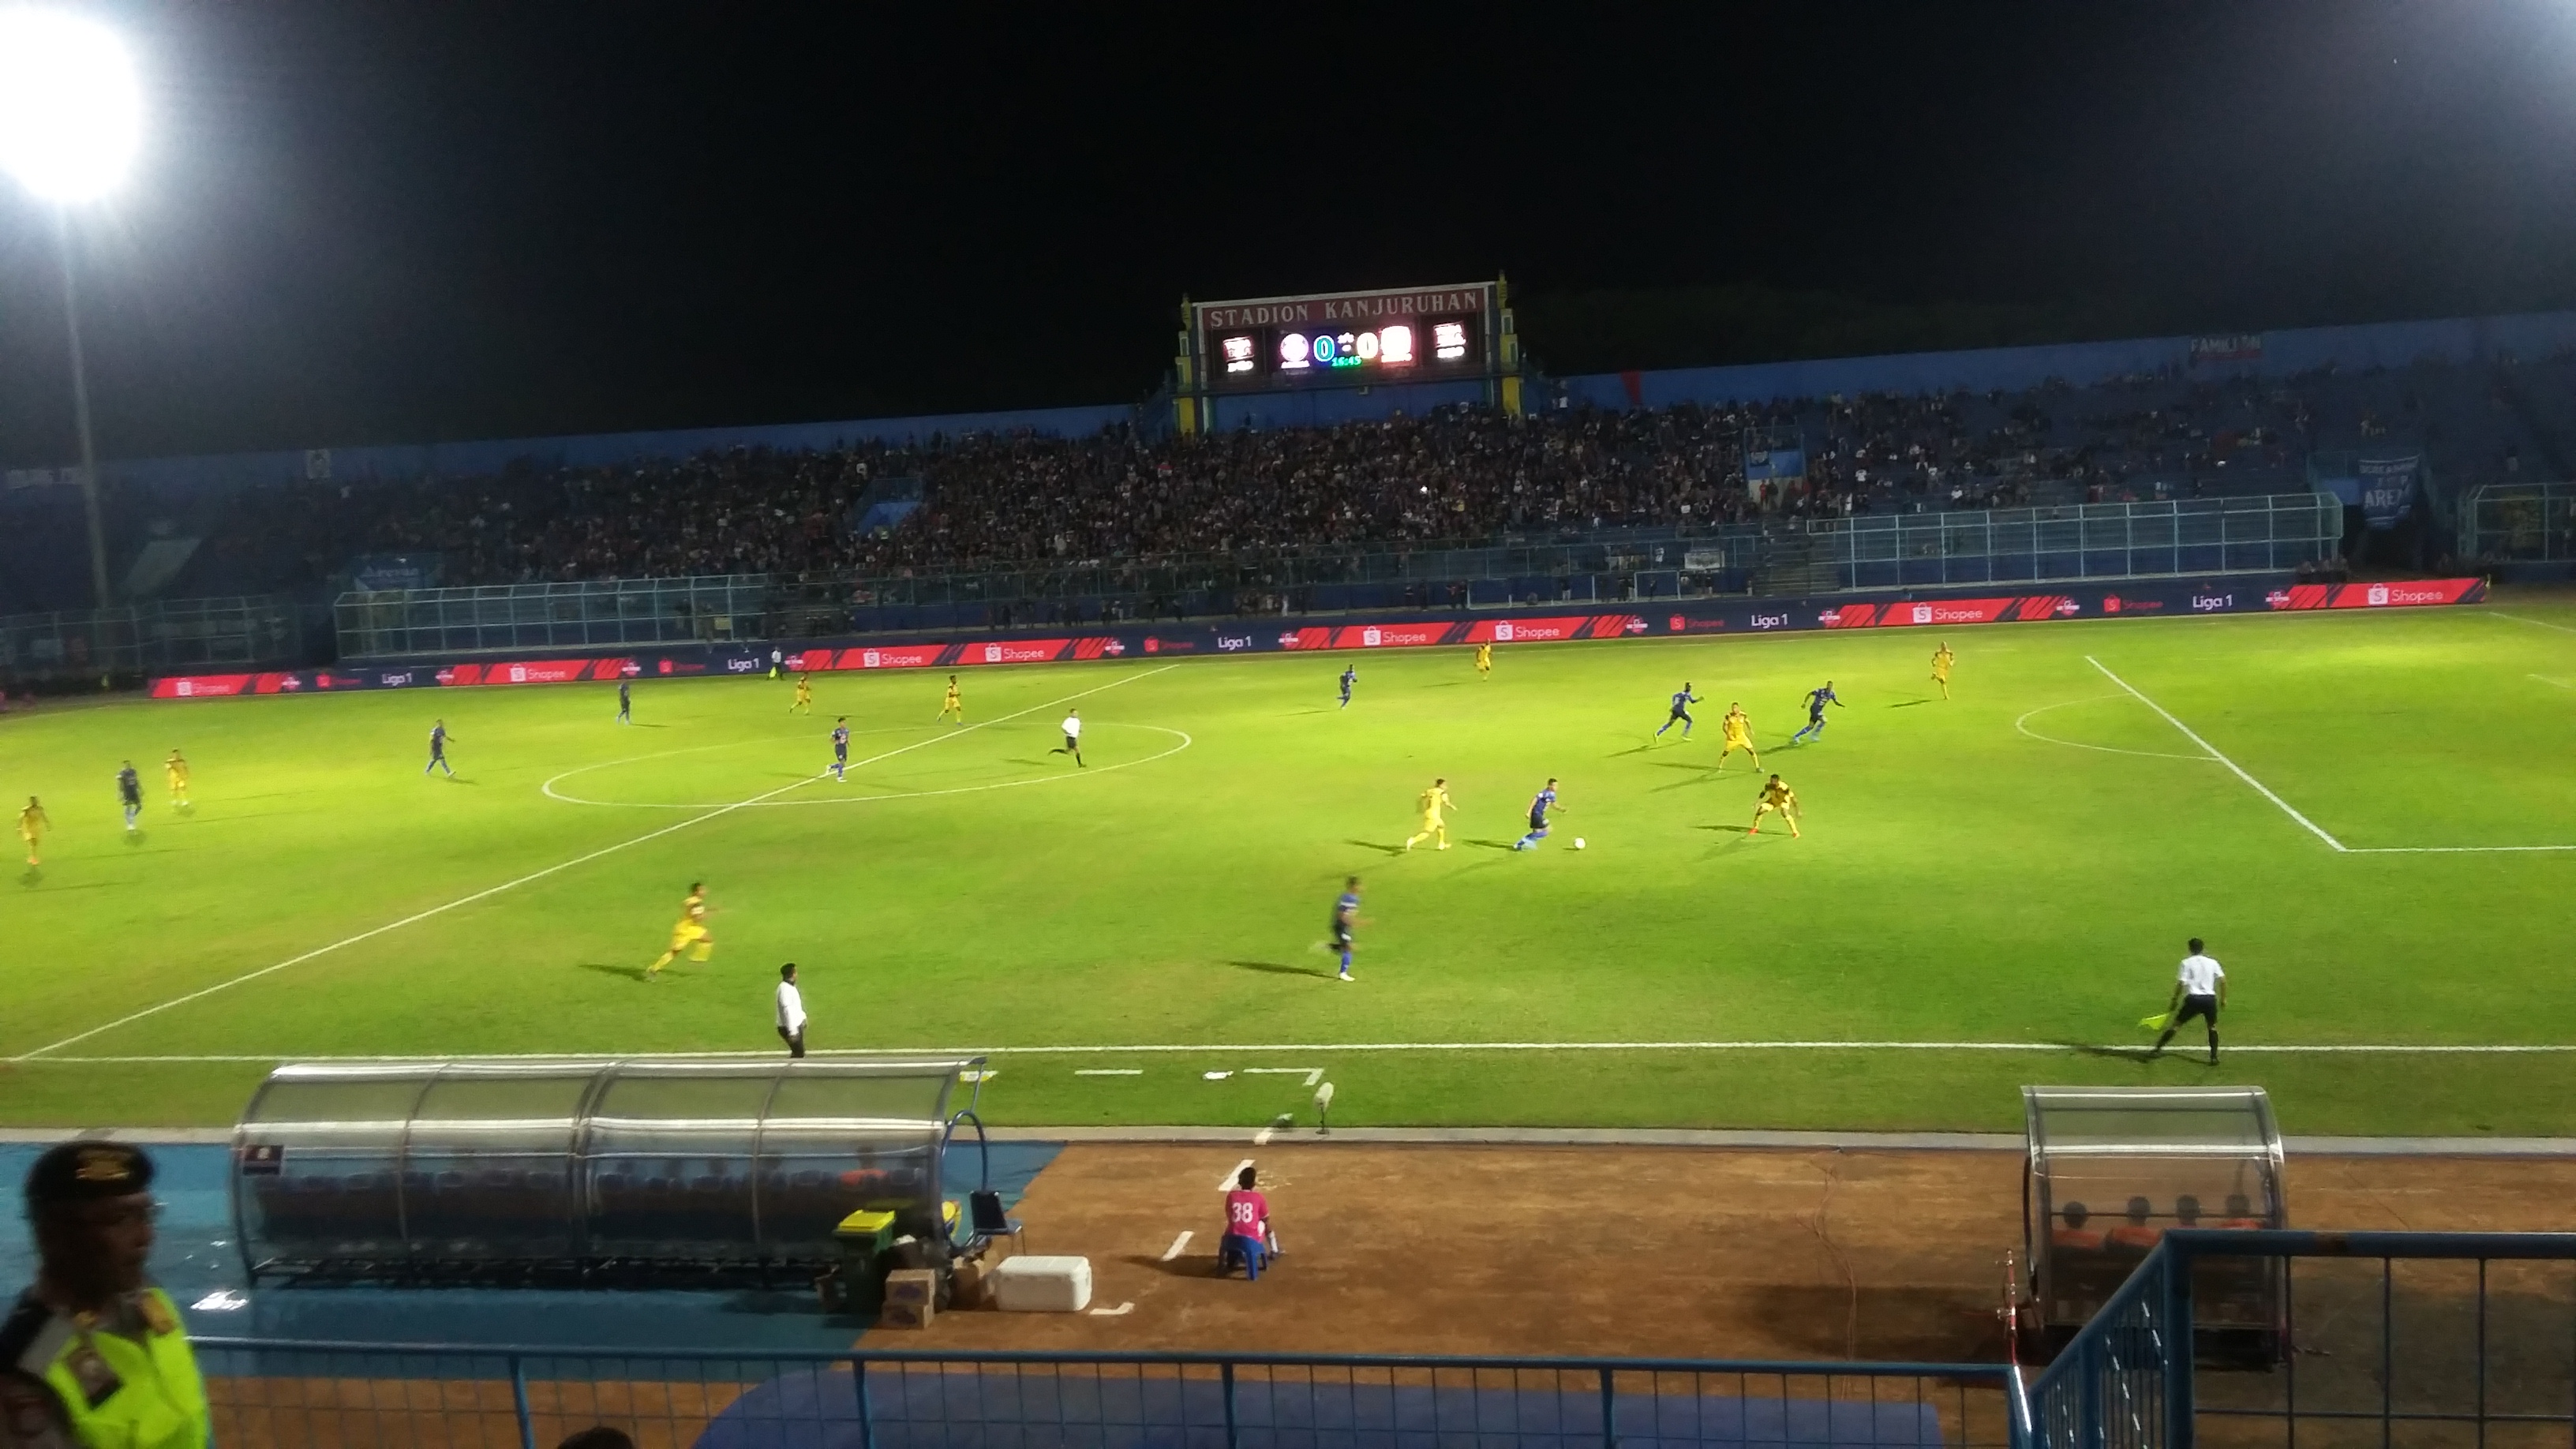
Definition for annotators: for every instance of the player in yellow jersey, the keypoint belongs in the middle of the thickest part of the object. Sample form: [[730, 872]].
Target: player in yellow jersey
[[804, 695], [1433, 801], [690, 933], [175, 769], [1776, 796], [32, 825], [1737, 732], [1484, 661], [1941, 659], [954, 706]]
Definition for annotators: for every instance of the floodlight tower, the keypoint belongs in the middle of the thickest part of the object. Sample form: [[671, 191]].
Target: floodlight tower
[[71, 119]]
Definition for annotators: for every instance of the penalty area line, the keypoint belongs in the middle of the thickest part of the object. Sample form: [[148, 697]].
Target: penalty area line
[[1228, 1048], [2234, 768], [533, 876]]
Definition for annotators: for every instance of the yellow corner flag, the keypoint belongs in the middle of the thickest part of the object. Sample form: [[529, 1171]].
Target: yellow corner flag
[[2155, 1022]]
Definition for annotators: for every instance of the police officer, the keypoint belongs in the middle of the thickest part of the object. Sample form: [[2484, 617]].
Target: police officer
[[93, 1355]]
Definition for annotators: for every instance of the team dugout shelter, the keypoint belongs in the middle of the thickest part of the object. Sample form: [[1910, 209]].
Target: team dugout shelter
[[430, 1172], [2109, 1169], [1305, 360]]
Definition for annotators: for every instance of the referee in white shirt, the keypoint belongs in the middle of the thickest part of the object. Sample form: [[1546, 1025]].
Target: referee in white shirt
[[1072, 736], [2200, 989], [791, 1011]]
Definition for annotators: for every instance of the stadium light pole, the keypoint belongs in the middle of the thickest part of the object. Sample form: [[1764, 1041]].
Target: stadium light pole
[[71, 119]]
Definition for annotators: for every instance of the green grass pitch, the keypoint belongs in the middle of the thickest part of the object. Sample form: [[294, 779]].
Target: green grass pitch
[[2017, 866]]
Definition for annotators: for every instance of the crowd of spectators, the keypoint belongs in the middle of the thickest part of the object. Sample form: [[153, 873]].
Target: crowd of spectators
[[1454, 474]]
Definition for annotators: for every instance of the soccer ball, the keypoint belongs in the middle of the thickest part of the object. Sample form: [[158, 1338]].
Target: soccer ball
[[1578, 842]]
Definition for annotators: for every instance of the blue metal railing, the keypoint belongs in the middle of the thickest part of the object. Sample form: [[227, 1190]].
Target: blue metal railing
[[2130, 1378], [289, 1393]]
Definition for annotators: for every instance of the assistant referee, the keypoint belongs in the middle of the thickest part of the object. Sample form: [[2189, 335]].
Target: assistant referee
[[2200, 989]]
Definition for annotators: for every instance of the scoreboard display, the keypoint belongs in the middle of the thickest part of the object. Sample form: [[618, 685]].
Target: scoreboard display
[[1344, 338]]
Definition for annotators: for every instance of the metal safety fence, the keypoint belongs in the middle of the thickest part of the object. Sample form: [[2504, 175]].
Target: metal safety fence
[[326, 1396], [2426, 1340], [2150, 539], [156, 637], [2519, 523], [392, 623], [2146, 539]]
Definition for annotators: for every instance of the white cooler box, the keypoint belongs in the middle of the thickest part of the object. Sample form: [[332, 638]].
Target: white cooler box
[[1043, 1285]]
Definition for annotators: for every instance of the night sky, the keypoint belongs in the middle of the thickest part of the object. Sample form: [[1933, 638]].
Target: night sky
[[381, 223]]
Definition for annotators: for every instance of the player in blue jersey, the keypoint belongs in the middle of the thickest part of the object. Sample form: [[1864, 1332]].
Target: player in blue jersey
[[841, 749], [1350, 676], [129, 793], [438, 750], [1681, 714], [1817, 699], [1540, 804], [1346, 919]]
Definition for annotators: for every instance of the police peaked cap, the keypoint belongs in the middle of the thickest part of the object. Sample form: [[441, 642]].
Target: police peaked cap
[[77, 1172]]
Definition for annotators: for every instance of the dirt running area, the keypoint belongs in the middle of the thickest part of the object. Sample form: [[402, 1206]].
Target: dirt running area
[[1663, 1252]]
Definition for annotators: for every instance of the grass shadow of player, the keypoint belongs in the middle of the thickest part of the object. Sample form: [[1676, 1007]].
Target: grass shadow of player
[[1489, 844], [1379, 846], [631, 973], [1910, 703], [1278, 968], [1020, 760], [2141, 1054], [1743, 830]]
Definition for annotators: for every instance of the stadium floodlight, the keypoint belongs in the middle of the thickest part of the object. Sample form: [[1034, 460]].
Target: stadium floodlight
[[71, 111], [71, 119]]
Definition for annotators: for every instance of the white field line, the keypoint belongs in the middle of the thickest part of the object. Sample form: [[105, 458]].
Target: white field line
[[1226, 1183], [1311, 1074], [490, 891], [2554, 683], [1178, 1243], [549, 790], [1221, 1049], [1109, 1071], [2535, 623], [2451, 849], [1121, 1311], [2023, 724], [2238, 770]]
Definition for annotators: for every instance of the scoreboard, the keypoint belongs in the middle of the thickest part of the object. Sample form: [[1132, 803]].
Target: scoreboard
[[1344, 338]]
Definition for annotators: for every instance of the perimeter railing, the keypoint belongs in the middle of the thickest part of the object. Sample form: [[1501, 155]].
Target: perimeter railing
[[2146, 539], [2426, 1340], [2519, 522], [2097, 541], [337, 1396], [158, 635]]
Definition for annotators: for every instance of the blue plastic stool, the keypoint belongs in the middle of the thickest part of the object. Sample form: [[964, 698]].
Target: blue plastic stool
[[1239, 1248]]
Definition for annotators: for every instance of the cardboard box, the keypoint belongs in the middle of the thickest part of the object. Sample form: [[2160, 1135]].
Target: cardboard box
[[906, 1315], [912, 1286], [970, 1283]]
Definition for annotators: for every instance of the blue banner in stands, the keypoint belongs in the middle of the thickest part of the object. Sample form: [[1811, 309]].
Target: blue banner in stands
[[2387, 488]]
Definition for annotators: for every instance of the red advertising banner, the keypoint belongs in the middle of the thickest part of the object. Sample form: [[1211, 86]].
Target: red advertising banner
[[1101, 647], [1849, 616], [1015, 651], [1948, 611], [2404, 595], [1307, 638], [2300, 596], [890, 656], [543, 671], [2042, 607], [1525, 631], [200, 686], [1389, 636]]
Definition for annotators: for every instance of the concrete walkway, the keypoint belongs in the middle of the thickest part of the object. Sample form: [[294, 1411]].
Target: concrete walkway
[[1736, 1139]]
